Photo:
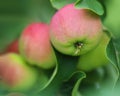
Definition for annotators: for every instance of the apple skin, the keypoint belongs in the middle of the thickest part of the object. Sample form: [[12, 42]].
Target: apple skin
[[13, 47], [35, 46], [96, 57], [75, 31], [15, 74]]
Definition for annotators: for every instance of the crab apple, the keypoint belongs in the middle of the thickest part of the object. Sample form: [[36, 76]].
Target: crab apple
[[35, 46], [95, 58], [15, 74], [75, 31], [13, 47]]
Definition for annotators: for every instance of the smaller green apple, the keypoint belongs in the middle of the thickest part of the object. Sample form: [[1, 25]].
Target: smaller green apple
[[96, 57]]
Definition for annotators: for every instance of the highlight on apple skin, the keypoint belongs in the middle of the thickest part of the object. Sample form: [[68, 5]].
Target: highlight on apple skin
[[15, 74], [75, 31], [35, 46], [95, 58]]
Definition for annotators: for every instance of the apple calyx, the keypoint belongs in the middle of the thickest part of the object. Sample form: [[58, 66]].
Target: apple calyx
[[78, 46]]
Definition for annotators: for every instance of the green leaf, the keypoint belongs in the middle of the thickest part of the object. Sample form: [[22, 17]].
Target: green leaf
[[66, 66], [79, 76], [60, 3], [92, 5], [113, 53], [52, 76], [44, 81], [70, 86]]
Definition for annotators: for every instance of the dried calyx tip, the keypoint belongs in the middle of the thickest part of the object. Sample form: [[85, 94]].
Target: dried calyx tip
[[78, 46]]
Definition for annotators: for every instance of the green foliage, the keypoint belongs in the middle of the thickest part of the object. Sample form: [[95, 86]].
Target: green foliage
[[92, 5], [113, 52], [60, 3], [60, 84], [112, 22]]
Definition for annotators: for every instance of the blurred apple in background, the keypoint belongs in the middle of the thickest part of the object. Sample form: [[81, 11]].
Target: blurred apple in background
[[35, 46], [15, 73]]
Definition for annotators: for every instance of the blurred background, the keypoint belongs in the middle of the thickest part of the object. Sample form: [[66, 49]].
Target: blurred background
[[16, 14]]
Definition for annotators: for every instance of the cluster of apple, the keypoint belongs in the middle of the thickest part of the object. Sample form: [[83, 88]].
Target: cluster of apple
[[79, 32], [33, 48], [75, 32]]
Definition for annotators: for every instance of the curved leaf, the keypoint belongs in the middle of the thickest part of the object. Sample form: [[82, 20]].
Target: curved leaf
[[50, 79], [113, 53], [92, 5], [79, 77], [70, 86], [66, 66], [57, 4]]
